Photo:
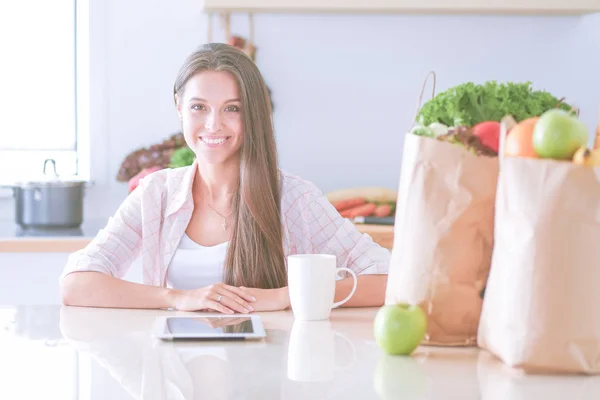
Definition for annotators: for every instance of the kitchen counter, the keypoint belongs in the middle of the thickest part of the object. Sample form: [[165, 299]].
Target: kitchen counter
[[55, 352], [14, 239]]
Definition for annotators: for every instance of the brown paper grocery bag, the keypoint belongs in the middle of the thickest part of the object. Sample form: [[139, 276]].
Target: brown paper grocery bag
[[443, 236], [542, 303]]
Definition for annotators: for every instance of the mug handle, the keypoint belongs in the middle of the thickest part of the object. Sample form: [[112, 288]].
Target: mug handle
[[339, 303]]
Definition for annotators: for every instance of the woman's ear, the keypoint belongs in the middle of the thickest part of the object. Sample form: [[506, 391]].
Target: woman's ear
[[178, 105]]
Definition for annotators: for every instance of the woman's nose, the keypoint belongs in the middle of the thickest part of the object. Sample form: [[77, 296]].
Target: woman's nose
[[212, 122]]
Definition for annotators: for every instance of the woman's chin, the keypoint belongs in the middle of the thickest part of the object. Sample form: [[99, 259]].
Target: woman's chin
[[213, 157]]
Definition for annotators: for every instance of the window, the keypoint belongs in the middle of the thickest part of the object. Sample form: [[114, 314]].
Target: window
[[38, 88]]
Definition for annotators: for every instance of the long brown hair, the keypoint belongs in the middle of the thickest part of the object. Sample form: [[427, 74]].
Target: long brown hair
[[255, 257]]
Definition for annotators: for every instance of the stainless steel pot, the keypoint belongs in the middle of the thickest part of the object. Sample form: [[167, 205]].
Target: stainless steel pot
[[51, 202]]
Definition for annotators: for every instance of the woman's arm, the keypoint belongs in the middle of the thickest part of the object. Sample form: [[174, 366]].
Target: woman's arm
[[370, 291], [313, 225], [116, 246], [95, 289]]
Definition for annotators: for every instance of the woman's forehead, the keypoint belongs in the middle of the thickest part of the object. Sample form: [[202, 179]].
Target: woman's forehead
[[212, 86]]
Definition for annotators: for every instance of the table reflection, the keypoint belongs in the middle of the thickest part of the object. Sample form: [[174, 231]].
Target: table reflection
[[149, 368]]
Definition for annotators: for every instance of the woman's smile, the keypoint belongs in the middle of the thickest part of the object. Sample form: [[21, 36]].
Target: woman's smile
[[214, 141]]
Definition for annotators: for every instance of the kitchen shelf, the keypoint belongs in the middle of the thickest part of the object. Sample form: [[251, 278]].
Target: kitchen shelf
[[556, 7]]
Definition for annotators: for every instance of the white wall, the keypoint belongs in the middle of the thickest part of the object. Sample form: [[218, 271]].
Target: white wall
[[345, 86]]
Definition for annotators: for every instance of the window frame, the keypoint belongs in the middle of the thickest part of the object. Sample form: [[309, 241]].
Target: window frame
[[81, 153]]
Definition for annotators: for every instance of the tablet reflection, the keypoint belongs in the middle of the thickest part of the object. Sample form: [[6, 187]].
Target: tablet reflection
[[149, 369]]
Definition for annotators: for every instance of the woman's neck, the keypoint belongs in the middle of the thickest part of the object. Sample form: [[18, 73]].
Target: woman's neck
[[216, 183]]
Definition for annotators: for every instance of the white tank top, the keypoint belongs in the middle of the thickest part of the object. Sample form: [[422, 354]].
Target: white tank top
[[194, 266]]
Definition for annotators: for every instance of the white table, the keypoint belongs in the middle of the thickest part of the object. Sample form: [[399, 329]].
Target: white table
[[53, 352]]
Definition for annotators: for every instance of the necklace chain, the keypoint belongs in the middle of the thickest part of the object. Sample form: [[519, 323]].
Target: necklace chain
[[225, 225]]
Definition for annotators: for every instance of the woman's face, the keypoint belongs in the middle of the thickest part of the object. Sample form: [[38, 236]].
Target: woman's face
[[210, 113]]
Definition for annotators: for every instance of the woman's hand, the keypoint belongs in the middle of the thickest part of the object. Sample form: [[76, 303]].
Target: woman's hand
[[232, 299], [269, 299]]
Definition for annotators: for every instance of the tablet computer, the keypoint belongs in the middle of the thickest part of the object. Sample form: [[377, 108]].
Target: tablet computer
[[220, 326]]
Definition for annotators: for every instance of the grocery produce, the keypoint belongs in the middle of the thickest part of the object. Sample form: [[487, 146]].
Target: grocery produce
[[364, 202], [469, 104], [400, 328], [488, 133], [558, 134], [363, 210], [519, 142], [438, 129], [585, 156], [464, 136], [383, 210], [342, 205], [420, 130]]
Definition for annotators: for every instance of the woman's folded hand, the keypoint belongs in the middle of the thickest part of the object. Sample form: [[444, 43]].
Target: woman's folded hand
[[218, 297]]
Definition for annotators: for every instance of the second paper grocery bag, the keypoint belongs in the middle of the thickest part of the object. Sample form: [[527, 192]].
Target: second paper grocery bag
[[540, 310], [443, 236]]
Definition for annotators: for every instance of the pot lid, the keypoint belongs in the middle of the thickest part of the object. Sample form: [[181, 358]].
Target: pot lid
[[51, 178]]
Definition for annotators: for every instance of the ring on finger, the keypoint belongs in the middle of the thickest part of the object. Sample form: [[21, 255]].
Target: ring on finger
[[219, 298]]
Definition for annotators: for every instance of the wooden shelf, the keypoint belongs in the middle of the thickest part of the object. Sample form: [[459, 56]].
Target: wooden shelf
[[542, 7]]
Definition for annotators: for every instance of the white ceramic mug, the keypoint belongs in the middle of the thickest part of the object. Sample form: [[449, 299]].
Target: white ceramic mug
[[311, 284], [311, 352]]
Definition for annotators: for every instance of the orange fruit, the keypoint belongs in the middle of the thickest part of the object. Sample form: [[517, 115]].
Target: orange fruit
[[519, 142]]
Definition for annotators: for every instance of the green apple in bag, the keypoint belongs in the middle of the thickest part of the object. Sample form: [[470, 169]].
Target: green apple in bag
[[558, 134]]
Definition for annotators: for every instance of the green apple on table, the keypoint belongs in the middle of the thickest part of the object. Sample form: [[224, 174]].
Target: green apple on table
[[400, 328]]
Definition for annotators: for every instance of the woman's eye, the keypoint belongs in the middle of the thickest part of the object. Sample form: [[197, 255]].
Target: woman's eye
[[233, 109], [198, 107]]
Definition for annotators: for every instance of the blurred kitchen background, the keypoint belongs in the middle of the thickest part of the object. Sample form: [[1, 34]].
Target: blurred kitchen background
[[345, 85]]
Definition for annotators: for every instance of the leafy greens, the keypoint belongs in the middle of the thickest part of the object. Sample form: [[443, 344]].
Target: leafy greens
[[469, 104]]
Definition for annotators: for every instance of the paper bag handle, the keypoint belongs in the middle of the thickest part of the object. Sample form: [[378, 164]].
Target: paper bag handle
[[430, 73]]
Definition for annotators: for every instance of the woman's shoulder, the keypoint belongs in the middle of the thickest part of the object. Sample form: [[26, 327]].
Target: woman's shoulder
[[293, 186], [299, 193], [166, 176], [167, 182]]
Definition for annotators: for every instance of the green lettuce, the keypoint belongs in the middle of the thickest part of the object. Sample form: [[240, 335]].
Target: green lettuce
[[469, 104]]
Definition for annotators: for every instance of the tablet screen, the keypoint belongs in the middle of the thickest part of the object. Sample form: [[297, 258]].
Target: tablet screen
[[208, 325]]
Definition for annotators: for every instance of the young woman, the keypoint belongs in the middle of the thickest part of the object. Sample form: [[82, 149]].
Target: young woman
[[215, 235]]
